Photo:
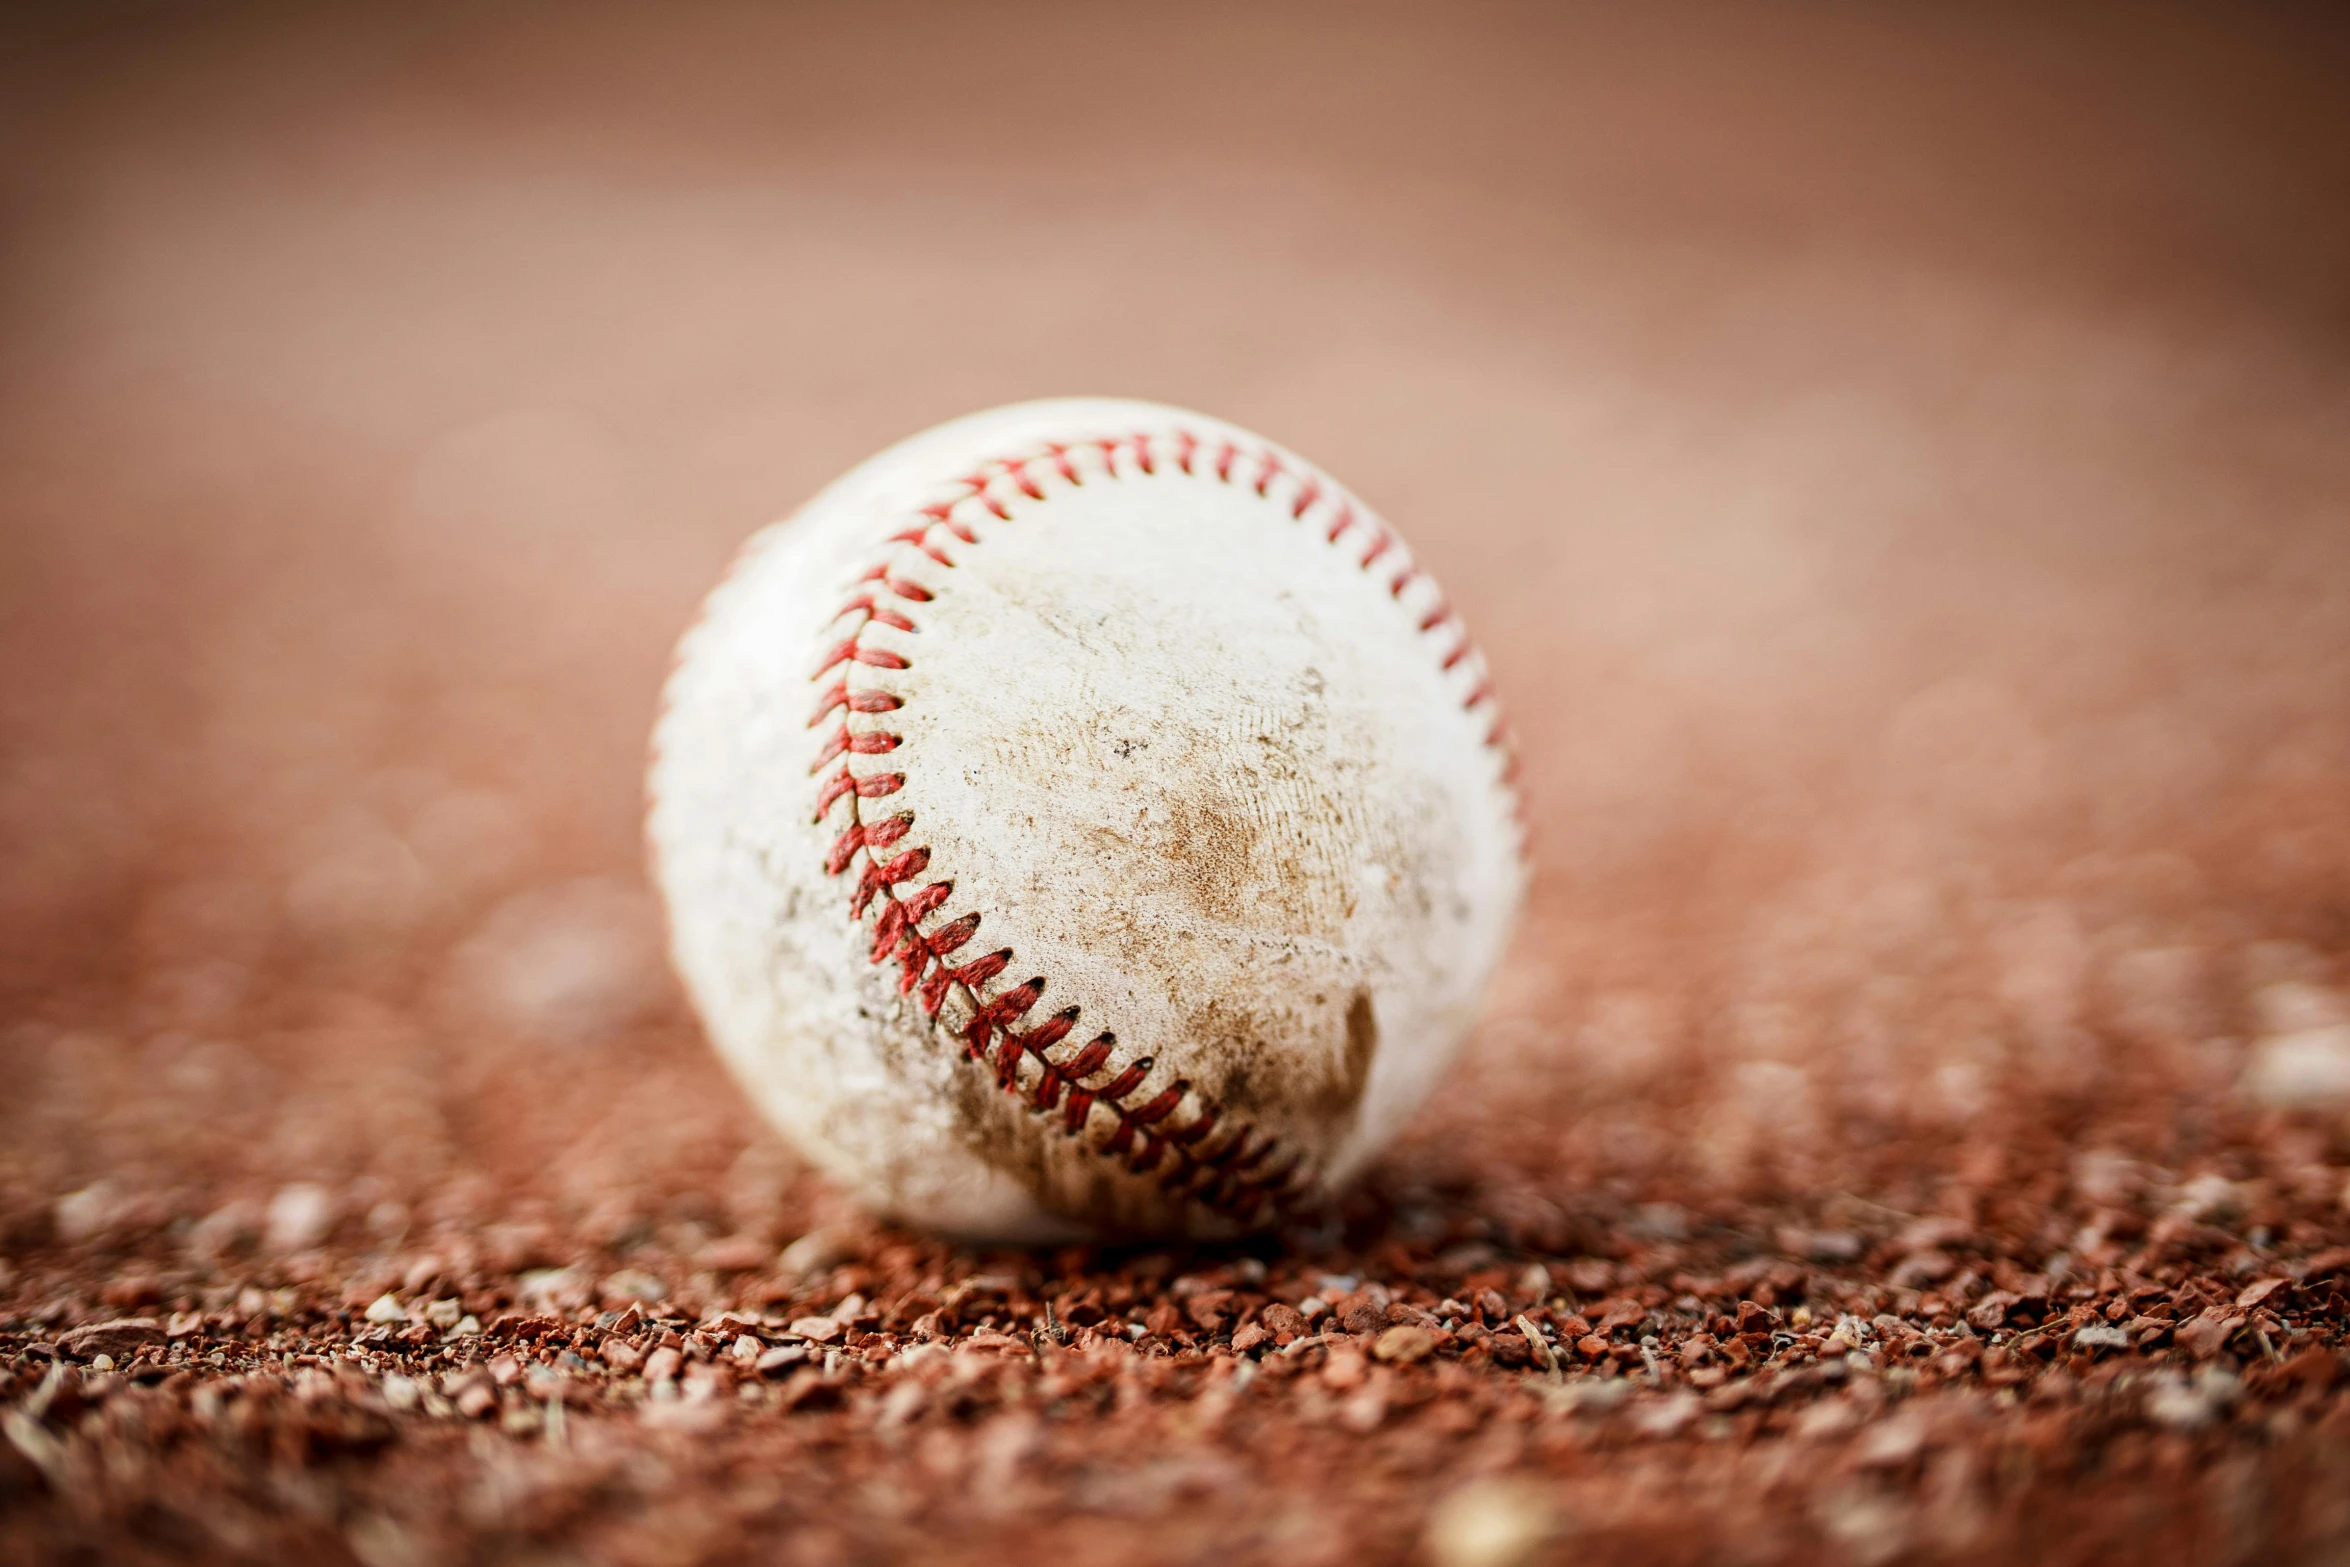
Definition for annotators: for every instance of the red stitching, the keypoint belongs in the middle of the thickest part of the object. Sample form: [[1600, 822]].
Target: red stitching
[[856, 702], [870, 743], [852, 651], [1238, 1174], [843, 782]]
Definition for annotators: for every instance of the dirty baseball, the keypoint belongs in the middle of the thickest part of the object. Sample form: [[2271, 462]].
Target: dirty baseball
[[1084, 817]]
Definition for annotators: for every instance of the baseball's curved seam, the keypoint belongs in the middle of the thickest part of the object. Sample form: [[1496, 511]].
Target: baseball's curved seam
[[1236, 1179]]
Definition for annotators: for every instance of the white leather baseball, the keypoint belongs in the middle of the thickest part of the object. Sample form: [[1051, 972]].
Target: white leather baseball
[[1084, 816]]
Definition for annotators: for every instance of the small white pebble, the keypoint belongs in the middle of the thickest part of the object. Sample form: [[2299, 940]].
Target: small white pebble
[[814, 1252], [82, 1214], [1490, 1523], [300, 1216], [2308, 1069]]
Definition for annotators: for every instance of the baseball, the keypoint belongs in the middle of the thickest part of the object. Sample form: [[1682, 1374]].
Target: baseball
[[1084, 817]]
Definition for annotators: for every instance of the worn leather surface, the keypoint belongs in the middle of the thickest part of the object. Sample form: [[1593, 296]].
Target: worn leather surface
[[1185, 729]]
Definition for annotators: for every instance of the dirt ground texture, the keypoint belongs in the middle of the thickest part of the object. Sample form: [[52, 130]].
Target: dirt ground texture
[[1898, 465]]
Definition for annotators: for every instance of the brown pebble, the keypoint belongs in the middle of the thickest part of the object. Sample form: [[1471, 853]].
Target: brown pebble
[[2209, 1333], [2256, 1293], [808, 1389], [1403, 1344], [734, 1254], [132, 1289], [1209, 1309], [1616, 1314], [1991, 1311], [2316, 1367], [779, 1359], [1345, 1368], [119, 1338]]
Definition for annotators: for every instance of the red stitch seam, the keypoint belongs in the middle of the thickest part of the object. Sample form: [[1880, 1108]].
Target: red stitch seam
[[1236, 1175]]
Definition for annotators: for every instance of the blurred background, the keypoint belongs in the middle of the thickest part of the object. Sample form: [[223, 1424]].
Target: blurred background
[[1897, 461]]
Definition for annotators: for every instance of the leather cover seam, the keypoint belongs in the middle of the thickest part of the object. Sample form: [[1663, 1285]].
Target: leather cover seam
[[1196, 1156]]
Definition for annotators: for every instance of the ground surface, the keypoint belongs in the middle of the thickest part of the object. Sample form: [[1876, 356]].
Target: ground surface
[[1900, 470]]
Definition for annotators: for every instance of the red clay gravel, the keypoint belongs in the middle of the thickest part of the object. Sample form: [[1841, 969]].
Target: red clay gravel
[[1897, 466]]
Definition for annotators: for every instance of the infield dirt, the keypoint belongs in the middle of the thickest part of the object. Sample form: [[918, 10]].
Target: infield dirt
[[1899, 469]]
